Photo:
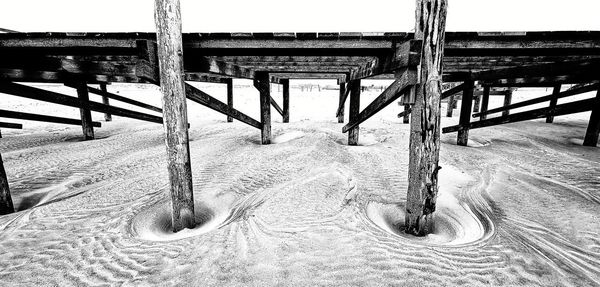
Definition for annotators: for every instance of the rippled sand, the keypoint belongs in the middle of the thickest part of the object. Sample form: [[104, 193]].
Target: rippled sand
[[519, 207]]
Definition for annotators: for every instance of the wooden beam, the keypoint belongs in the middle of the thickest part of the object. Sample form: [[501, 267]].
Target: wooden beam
[[485, 99], [286, 100], [200, 97], [424, 147], [340, 110], [40, 118], [10, 125], [229, 83], [102, 92], [6, 204], [262, 84], [476, 103], [170, 57], [405, 55], [56, 98], [553, 102], [107, 116], [507, 100], [354, 89], [559, 110], [593, 128], [543, 70], [342, 103], [406, 79], [451, 104], [405, 115], [84, 109], [196, 63], [465, 113], [452, 91], [276, 106]]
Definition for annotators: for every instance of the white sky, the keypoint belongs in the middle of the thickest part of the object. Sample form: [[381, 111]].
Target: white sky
[[297, 16]]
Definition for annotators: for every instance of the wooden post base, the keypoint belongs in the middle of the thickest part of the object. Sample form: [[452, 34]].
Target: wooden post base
[[107, 116], [465, 114], [230, 97], [286, 100], [553, 102], [354, 87], [341, 104], [86, 114], [593, 129], [6, 204], [261, 82]]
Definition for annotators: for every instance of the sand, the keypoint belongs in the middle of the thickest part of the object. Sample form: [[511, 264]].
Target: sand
[[519, 207]]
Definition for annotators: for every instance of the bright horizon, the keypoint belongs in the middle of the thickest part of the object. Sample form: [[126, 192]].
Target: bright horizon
[[271, 16]]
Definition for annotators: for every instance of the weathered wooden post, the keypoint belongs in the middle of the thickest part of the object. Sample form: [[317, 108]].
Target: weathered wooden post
[[341, 104], [425, 120], [6, 205], [170, 55], [507, 101], [593, 129], [451, 104], [354, 110], [465, 113], [229, 83], [261, 82], [553, 102], [476, 103], [407, 111], [84, 109], [107, 116], [485, 100], [286, 100]]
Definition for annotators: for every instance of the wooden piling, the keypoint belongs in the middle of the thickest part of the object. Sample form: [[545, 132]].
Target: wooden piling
[[84, 109], [6, 205], [424, 147], [407, 111], [354, 110], [507, 101], [485, 100], [170, 54], [451, 104], [261, 82], [107, 116], [553, 102], [593, 129], [476, 103], [229, 83], [286, 100], [465, 113], [341, 103]]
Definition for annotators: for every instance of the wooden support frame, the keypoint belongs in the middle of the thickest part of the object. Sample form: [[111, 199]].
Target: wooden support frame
[[200, 97], [405, 80], [262, 84], [341, 104], [553, 102], [593, 128], [559, 110], [84, 109], [229, 83], [485, 100], [6, 204], [465, 113], [10, 125], [286, 99], [424, 147], [40, 118], [104, 90], [353, 133], [170, 57]]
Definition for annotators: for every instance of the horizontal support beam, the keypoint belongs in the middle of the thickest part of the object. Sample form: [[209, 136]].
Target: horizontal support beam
[[559, 110], [564, 94], [405, 55], [56, 98], [200, 97], [42, 118], [11, 125], [200, 64], [543, 70], [406, 80]]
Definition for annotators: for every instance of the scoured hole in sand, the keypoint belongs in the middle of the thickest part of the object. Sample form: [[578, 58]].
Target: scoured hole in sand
[[455, 224], [155, 223], [286, 137]]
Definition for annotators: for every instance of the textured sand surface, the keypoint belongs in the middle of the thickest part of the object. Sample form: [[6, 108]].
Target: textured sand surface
[[519, 207]]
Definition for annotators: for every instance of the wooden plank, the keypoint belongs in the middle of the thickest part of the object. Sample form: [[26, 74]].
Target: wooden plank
[[476, 103], [84, 109], [593, 128], [507, 100], [170, 57], [229, 83], [452, 91], [568, 93], [10, 125], [286, 100], [558, 110], [424, 147], [200, 97], [107, 116], [6, 204], [102, 92], [406, 79], [553, 102], [262, 84], [40, 118], [56, 98], [353, 111], [201, 64], [543, 70], [465, 113], [276, 106], [342, 103], [405, 55], [485, 99]]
